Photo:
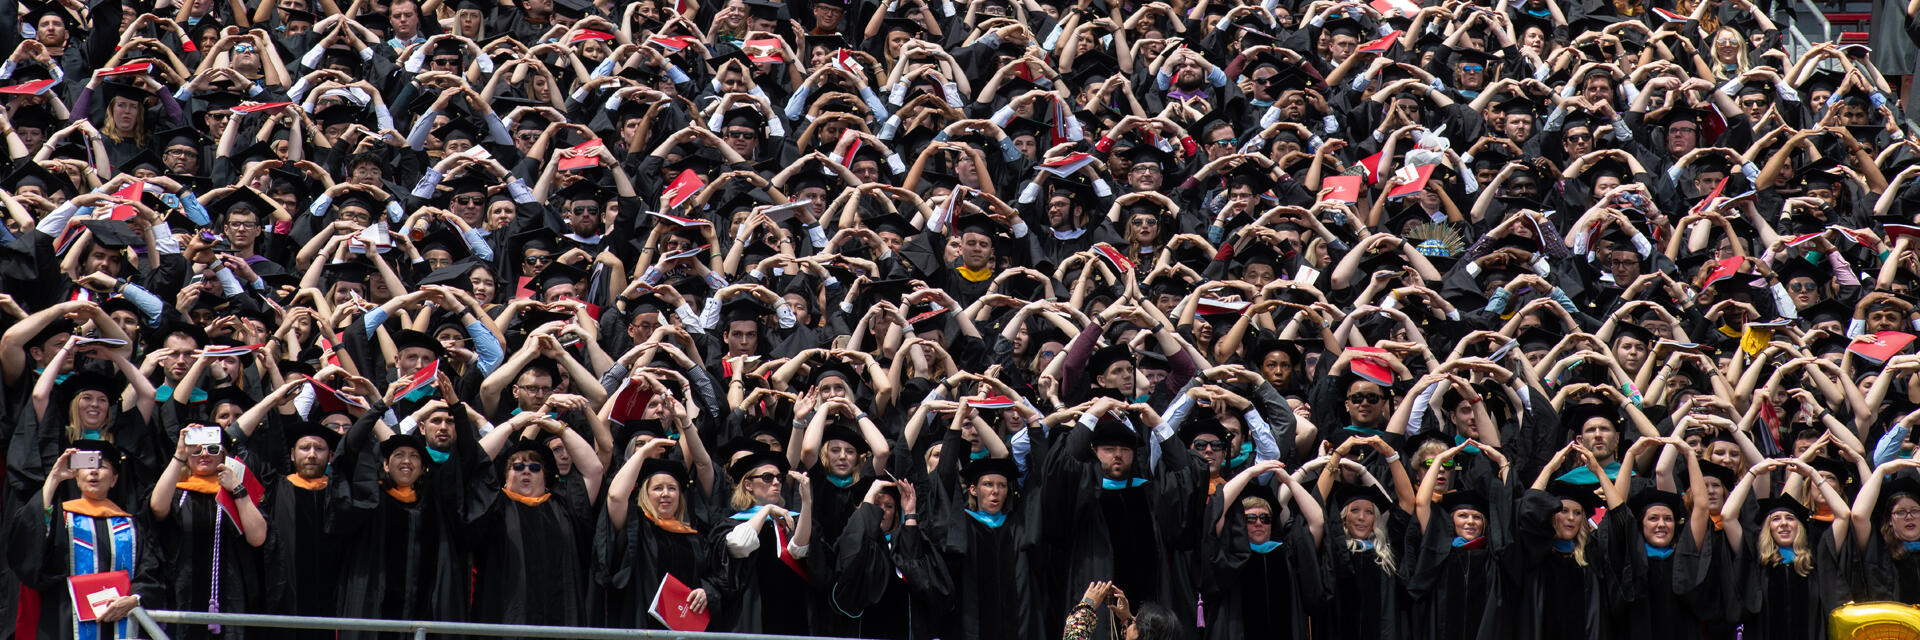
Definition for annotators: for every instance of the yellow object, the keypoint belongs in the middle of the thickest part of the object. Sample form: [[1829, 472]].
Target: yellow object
[[1874, 621], [1754, 339]]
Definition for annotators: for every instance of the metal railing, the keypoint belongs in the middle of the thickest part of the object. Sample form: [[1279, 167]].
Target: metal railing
[[151, 621]]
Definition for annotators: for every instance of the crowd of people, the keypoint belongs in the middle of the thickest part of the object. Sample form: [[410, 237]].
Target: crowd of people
[[959, 319]]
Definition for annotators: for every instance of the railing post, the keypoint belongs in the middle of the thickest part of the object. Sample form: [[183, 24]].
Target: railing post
[[420, 633], [154, 632]]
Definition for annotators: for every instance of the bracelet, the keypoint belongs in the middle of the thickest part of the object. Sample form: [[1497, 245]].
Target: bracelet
[[238, 491], [179, 459], [862, 416], [1393, 459]]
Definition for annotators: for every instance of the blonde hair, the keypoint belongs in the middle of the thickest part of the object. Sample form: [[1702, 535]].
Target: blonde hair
[[1802, 557], [741, 500], [73, 412], [646, 506], [1741, 64], [1382, 551]]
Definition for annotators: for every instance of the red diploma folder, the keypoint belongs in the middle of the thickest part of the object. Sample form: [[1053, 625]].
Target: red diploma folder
[[94, 592], [676, 614]]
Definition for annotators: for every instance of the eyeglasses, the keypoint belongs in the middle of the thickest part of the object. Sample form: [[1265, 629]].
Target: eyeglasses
[[209, 450], [1906, 514], [768, 477], [1428, 464], [534, 390], [1365, 398], [542, 259], [1259, 518], [181, 153], [1623, 262], [1473, 68], [1208, 445], [527, 466], [469, 199], [239, 224]]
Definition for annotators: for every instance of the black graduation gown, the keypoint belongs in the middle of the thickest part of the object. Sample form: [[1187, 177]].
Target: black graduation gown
[[1654, 598], [1556, 597], [1884, 577], [892, 585], [1248, 594], [1456, 590], [302, 568], [1126, 535], [1778, 602], [1366, 600], [411, 564], [531, 560], [997, 594], [197, 537], [763, 593], [630, 563], [37, 552]]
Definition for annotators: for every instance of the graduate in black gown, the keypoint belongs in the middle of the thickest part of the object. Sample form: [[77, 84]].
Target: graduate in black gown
[[1660, 556], [888, 576], [1262, 577], [210, 529], [1127, 513], [530, 554], [634, 555], [400, 523], [989, 526], [762, 549], [1367, 594], [87, 534], [1453, 576], [1556, 566], [1789, 576], [1886, 534], [302, 569]]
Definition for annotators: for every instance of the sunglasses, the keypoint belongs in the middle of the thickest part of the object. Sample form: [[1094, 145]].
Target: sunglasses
[[1227, 142], [764, 477], [527, 466], [1473, 68], [1208, 445], [209, 450], [742, 135], [1259, 518], [1365, 398], [1799, 287], [469, 200], [541, 259], [586, 210], [1428, 464], [1580, 137]]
